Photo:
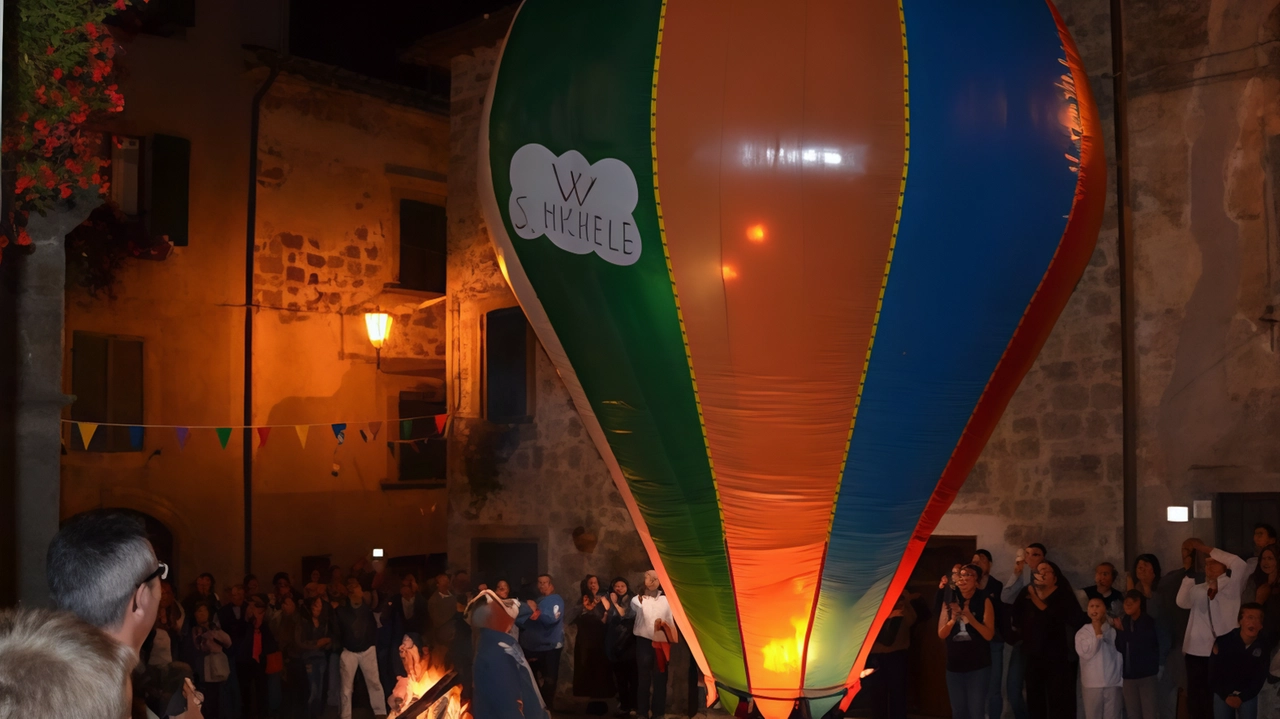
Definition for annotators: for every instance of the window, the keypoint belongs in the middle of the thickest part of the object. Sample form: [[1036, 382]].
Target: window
[[106, 379], [151, 179], [422, 246], [421, 461], [126, 157], [508, 366], [164, 18]]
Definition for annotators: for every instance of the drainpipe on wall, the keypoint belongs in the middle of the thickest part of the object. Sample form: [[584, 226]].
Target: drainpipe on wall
[[1128, 354], [250, 239]]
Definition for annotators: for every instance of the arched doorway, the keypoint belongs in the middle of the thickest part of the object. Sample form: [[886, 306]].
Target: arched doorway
[[161, 540]]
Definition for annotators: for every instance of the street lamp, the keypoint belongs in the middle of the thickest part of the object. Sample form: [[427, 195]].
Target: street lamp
[[379, 326]]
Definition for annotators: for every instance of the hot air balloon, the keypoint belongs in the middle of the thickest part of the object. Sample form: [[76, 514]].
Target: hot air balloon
[[791, 260]]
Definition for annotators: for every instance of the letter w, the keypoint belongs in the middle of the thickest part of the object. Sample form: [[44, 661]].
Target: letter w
[[574, 178]]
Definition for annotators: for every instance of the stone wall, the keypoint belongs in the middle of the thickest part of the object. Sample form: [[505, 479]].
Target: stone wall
[[334, 165], [1204, 87]]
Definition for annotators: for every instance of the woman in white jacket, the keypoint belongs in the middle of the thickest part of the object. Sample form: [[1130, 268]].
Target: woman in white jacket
[[1100, 665]]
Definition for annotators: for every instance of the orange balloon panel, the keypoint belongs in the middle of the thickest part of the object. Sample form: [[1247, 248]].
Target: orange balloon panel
[[803, 145]]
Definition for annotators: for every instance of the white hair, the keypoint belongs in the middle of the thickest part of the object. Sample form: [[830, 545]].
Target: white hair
[[55, 664]]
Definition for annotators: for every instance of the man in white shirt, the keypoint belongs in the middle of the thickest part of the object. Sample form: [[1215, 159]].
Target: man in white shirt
[[1214, 605], [654, 628]]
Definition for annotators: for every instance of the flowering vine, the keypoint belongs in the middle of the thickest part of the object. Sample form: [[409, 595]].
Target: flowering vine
[[58, 78]]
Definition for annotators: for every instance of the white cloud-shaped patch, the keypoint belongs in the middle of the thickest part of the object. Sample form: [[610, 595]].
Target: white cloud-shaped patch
[[579, 206]]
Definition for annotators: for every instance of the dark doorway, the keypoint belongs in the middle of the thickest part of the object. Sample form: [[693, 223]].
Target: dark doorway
[[926, 658], [1237, 515], [162, 541], [515, 560]]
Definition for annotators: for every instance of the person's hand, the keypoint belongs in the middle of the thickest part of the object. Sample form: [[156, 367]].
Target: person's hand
[[482, 587], [896, 613], [536, 613], [1233, 702], [942, 583], [1118, 623], [195, 701], [953, 610], [532, 604], [323, 642], [657, 625]]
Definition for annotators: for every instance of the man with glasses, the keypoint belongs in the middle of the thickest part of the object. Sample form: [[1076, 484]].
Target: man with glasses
[[102, 568]]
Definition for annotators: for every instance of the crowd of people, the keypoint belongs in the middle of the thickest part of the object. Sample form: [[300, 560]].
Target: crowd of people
[[1205, 635], [123, 644], [280, 651]]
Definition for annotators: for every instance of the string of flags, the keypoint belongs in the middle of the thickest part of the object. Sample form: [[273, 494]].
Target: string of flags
[[368, 431]]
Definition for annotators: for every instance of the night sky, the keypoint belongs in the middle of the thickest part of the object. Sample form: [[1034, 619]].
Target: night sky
[[368, 40]]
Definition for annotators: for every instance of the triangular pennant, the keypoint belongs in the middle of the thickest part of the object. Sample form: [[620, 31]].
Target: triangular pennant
[[391, 447], [414, 446], [364, 436], [406, 428], [263, 433], [302, 430], [340, 431], [441, 420], [86, 432], [182, 433], [375, 428], [135, 437], [224, 435]]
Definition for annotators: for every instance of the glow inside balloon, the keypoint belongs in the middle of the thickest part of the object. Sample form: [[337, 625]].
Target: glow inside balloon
[[791, 260]]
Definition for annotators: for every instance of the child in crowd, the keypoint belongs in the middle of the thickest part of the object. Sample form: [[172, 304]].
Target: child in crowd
[[1100, 664], [1142, 648], [1238, 666]]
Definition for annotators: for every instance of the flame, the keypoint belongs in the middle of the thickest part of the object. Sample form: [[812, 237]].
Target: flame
[[784, 655]]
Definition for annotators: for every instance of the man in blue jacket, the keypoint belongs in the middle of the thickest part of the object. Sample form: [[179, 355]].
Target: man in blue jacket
[[504, 685], [542, 636]]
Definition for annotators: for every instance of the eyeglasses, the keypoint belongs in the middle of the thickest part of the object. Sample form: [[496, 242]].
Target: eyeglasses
[[161, 572]]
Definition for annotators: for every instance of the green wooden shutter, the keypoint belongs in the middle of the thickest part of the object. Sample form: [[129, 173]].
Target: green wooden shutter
[[170, 187]]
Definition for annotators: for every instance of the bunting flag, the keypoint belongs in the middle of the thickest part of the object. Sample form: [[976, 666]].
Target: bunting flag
[[224, 435], [86, 432], [364, 436], [263, 433], [182, 433], [406, 429], [375, 428], [391, 447], [135, 437], [340, 431], [302, 431], [441, 421]]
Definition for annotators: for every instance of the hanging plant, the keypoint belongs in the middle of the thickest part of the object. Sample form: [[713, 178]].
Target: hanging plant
[[98, 248], [58, 76]]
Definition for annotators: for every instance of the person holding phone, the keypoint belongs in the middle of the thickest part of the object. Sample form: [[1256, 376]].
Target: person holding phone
[[967, 623], [1214, 604]]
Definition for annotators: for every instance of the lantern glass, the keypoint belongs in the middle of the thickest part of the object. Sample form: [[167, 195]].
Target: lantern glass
[[379, 326]]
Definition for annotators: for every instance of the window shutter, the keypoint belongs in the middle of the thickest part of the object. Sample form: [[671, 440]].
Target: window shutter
[[170, 187]]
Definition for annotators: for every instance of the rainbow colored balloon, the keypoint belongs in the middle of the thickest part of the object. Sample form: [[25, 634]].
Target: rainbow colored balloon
[[791, 260]]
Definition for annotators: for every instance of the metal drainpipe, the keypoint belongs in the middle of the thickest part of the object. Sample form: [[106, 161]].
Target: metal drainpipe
[[249, 242], [1128, 355]]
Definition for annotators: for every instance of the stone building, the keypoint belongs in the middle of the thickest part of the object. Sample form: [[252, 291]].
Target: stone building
[[341, 160]]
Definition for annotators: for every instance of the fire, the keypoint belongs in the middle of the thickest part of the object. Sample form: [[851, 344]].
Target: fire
[[784, 655]]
